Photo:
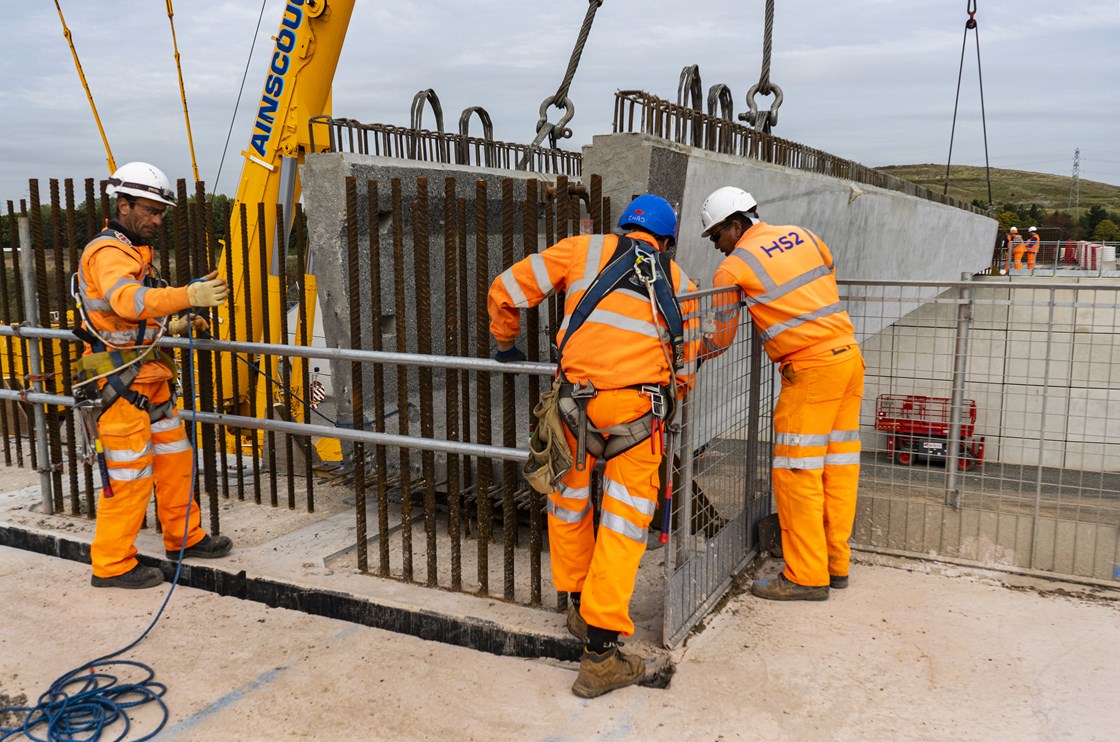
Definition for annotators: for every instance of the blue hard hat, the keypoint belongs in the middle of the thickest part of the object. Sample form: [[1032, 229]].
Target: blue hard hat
[[653, 214]]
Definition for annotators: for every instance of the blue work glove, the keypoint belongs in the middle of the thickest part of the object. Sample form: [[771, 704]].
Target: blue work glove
[[512, 355]]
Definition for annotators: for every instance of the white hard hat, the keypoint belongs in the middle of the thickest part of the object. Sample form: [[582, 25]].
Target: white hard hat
[[722, 203], [1014, 229], [1032, 229], [142, 180]]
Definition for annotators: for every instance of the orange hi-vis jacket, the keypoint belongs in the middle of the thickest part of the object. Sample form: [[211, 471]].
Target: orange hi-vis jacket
[[626, 347], [1031, 245], [111, 279], [787, 276]]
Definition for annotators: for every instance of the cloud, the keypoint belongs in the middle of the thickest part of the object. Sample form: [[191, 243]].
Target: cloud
[[870, 80]]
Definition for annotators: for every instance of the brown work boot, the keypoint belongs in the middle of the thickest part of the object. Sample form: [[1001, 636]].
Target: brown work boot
[[780, 588], [577, 627], [602, 673], [838, 582], [137, 578], [209, 547]]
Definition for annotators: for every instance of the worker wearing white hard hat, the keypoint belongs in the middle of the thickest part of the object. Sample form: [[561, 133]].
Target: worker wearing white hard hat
[[125, 308], [788, 276], [1030, 247]]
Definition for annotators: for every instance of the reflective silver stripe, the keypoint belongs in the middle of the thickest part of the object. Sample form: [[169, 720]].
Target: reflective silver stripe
[[96, 305], [566, 515], [622, 322], [684, 280], [618, 524], [574, 493], [130, 475], [120, 338], [773, 331], [166, 424], [594, 255], [516, 295], [620, 493], [540, 271], [774, 290], [138, 300], [792, 462], [693, 333], [816, 244], [841, 436], [120, 284], [173, 447], [800, 439], [794, 283], [756, 267], [840, 459], [724, 315], [126, 455]]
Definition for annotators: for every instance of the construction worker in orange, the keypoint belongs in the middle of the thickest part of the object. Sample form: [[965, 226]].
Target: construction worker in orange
[[125, 307], [622, 363], [789, 280], [1014, 247], [1031, 247]]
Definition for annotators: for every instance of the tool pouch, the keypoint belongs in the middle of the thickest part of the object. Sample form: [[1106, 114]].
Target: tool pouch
[[549, 458]]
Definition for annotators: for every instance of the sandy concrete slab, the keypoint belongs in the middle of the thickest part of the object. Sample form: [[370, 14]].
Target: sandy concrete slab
[[900, 655]]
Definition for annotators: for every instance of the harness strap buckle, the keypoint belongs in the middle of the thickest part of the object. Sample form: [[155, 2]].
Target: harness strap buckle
[[656, 396]]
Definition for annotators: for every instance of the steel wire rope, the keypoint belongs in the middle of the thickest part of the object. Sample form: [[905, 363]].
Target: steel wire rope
[[236, 105], [81, 714], [768, 119], [970, 24], [560, 99]]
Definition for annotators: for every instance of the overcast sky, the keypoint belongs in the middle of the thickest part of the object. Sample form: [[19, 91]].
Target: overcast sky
[[869, 80]]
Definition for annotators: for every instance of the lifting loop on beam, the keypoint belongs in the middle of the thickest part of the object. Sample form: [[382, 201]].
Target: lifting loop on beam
[[462, 147], [416, 120]]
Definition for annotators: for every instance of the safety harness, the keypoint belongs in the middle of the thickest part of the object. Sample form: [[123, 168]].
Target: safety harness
[[119, 365], [640, 267]]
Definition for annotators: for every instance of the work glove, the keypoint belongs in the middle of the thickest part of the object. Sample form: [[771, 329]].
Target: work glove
[[208, 291], [512, 355], [179, 325]]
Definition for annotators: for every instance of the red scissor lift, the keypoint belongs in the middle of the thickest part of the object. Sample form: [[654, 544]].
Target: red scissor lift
[[919, 426]]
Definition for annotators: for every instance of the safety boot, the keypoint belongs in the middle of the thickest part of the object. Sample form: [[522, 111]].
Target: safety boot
[[137, 578], [208, 548], [577, 627], [838, 582], [780, 588], [610, 670]]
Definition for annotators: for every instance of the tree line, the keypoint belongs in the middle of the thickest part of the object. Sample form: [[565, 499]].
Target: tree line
[[1096, 224]]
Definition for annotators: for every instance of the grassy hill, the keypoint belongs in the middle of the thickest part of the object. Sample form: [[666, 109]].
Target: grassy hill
[[967, 182]]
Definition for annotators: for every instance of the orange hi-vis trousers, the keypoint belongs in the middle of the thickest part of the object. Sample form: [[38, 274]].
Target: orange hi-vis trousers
[[816, 462], [604, 567], [1017, 255], [141, 454]]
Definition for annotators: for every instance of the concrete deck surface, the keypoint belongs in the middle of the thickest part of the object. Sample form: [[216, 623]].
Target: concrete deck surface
[[911, 651]]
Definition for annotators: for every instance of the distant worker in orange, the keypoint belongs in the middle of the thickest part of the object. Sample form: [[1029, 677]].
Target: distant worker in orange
[[789, 280], [1014, 249], [622, 361], [1031, 247], [125, 308]]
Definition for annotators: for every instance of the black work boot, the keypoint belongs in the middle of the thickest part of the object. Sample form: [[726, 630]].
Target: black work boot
[[609, 670], [208, 548], [137, 578], [780, 588], [838, 582]]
